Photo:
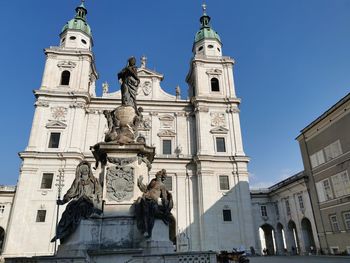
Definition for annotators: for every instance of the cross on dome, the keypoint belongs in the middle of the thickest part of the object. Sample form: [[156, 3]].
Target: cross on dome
[[204, 7]]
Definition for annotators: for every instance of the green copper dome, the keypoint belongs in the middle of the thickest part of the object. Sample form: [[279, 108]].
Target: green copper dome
[[206, 31], [79, 21]]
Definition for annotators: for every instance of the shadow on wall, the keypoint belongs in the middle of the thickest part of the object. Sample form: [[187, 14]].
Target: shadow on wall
[[221, 225]]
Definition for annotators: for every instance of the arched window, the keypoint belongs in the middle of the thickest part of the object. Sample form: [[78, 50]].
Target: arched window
[[65, 78], [215, 84]]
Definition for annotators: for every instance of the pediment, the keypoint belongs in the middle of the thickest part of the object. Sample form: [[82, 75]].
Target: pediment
[[219, 130], [145, 72], [56, 125], [166, 133]]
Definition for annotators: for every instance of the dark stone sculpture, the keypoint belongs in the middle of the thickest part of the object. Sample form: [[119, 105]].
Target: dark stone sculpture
[[156, 202], [130, 83], [124, 121], [85, 196]]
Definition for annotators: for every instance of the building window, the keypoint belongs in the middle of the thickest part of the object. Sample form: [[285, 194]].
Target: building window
[[169, 183], [40, 216], [287, 207], [220, 144], [54, 139], [167, 147], [2, 210], [214, 84], [46, 181], [263, 210], [317, 159], [346, 217], [332, 151], [327, 189], [341, 184], [334, 223], [65, 77], [301, 201], [224, 182], [324, 190], [226, 214]]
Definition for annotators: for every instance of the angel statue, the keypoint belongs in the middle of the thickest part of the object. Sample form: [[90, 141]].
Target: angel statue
[[155, 203], [84, 197]]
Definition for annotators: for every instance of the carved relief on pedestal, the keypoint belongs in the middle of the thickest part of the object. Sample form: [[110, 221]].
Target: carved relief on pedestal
[[120, 183]]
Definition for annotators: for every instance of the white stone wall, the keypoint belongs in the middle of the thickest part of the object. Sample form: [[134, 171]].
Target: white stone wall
[[6, 201]]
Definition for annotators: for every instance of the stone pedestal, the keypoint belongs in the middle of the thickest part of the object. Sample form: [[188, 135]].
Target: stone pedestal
[[121, 167], [159, 243]]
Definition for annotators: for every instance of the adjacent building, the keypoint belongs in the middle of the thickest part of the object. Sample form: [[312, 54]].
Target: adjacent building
[[325, 149], [283, 218], [198, 140], [6, 200]]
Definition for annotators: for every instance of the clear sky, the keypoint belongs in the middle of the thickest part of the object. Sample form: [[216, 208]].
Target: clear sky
[[292, 63]]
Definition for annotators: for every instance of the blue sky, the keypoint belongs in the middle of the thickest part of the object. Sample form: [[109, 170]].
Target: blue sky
[[292, 63]]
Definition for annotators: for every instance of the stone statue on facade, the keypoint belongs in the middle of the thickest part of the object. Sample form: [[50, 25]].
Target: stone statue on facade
[[155, 203], [85, 199], [124, 121], [129, 84]]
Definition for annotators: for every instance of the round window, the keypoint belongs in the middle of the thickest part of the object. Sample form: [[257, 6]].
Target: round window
[[72, 38], [210, 46], [84, 41]]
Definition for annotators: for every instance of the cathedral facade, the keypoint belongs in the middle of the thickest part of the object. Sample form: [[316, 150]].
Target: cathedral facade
[[197, 140]]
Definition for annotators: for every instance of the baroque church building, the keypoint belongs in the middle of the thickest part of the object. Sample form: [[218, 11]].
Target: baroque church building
[[197, 140]]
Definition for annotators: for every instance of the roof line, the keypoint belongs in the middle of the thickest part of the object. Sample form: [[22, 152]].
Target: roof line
[[326, 113]]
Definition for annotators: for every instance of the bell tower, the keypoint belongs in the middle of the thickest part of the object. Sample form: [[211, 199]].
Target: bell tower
[[210, 73], [71, 65], [221, 166]]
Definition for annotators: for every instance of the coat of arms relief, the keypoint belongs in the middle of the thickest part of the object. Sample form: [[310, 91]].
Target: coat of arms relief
[[120, 179]]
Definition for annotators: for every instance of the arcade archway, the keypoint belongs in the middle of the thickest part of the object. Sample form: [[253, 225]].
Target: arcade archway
[[267, 239], [293, 237], [308, 236]]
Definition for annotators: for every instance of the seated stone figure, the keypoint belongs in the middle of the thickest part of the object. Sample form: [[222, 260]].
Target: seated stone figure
[[156, 202], [85, 196]]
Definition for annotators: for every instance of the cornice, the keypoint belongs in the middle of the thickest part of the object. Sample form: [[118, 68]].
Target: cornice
[[69, 51], [62, 94], [196, 100], [213, 60], [52, 155], [218, 158]]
